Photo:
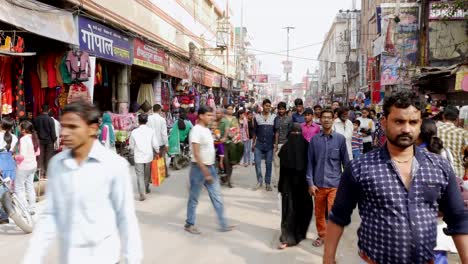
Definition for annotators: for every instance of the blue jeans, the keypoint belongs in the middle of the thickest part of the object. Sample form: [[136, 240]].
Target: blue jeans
[[197, 181], [356, 153], [247, 152], [259, 156]]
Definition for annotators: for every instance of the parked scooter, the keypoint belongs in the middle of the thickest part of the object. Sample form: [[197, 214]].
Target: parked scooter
[[14, 208], [182, 159]]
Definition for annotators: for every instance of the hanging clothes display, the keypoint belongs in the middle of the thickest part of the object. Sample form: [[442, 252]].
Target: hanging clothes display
[[78, 91], [38, 93], [66, 76], [41, 71], [78, 65], [145, 93], [51, 71], [19, 88], [165, 95], [6, 86]]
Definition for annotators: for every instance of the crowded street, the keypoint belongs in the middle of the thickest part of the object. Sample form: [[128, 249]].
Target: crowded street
[[233, 132], [161, 219]]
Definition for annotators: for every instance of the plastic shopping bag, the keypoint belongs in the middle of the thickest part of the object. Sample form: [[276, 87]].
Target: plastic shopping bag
[[158, 171]]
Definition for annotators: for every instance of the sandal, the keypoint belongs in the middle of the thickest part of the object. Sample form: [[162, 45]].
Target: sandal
[[282, 246], [318, 242]]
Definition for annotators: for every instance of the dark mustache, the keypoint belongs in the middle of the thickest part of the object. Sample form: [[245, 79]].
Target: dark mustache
[[405, 135]]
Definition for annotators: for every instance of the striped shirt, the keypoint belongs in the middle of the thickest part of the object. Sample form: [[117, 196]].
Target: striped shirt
[[356, 142]]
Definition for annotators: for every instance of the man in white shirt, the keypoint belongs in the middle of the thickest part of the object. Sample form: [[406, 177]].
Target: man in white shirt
[[57, 130], [342, 125], [144, 144], [159, 126], [89, 199], [203, 171]]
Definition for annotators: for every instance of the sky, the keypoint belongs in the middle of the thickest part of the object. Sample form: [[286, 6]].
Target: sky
[[265, 20]]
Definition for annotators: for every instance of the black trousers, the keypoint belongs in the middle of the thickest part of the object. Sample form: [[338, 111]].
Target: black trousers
[[47, 151]]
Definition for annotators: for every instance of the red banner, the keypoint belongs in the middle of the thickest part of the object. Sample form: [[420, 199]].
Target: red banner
[[148, 56], [217, 80], [178, 68]]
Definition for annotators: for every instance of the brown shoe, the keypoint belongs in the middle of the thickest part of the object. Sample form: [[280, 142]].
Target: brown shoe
[[192, 230]]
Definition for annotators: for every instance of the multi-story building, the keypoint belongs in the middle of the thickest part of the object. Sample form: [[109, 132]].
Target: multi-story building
[[338, 57], [139, 47]]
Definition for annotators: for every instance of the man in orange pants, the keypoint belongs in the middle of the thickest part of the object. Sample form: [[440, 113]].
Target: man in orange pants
[[327, 157]]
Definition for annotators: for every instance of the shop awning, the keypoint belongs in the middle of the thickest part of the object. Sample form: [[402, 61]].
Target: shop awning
[[40, 19]]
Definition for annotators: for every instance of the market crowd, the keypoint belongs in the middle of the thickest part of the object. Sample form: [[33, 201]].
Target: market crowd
[[403, 166]]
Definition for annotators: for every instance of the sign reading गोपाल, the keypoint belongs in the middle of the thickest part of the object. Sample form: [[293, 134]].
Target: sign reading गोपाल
[[104, 42]]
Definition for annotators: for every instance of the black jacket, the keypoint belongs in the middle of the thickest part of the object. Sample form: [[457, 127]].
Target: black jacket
[[45, 128]]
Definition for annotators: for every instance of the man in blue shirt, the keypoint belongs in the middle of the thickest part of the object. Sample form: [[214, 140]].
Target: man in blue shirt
[[327, 156], [399, 190], [298, 116], [263, 144]]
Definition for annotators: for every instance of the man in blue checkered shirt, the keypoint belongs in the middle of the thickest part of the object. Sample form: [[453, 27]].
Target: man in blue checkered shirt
[[399, 190]]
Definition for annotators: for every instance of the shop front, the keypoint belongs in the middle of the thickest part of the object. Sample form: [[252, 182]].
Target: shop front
[[107, 54], [147, 80], [33, 51]]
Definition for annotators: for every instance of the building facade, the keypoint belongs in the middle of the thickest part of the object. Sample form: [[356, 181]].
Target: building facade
[[338, 76]]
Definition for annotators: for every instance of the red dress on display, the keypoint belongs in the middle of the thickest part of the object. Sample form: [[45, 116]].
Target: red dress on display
[[6, 85]]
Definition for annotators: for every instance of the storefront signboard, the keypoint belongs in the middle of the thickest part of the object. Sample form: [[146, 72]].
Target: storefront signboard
[[178, 68], [217, 80], [104, 42], [148, 56]]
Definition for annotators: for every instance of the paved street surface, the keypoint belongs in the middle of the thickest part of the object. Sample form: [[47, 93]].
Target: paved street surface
[[162, 218]]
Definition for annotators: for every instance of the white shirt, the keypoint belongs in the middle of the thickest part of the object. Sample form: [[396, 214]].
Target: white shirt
[[345, 129], [88, 207], [367, 123], [158, 124], [14, 141], [57, 131], [26, 149], [202, 136], [143, 142]]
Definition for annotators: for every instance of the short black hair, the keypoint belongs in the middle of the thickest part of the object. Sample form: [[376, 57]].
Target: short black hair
[[308, 111], [204, 109], [266, 101], [366, 109], [142, 119], [402, 99], [342, 110], [451, 113], [298, 101], [327, 110], [281, 105], [157, 108], [192, 110], [357, 122], [373, 111], [45, 108], [86, 111], [317, 106]]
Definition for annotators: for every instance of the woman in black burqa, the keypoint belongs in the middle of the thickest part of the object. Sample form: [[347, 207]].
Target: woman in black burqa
[[297, 205]]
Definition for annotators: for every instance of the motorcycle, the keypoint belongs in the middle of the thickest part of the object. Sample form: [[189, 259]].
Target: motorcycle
[[15, 210], [182, 159]]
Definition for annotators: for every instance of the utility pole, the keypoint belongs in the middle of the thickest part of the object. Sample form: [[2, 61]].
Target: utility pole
[[288, 28]]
